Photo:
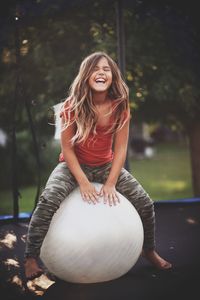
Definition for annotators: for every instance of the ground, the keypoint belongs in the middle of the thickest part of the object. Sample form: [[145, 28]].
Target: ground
[[177, 235]]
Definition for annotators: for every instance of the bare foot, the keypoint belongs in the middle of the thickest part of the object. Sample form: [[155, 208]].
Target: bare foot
[[153, 257], [32, 270]]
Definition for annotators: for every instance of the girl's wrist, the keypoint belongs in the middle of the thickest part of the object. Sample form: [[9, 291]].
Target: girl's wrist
[[83, 180], [111, 182]]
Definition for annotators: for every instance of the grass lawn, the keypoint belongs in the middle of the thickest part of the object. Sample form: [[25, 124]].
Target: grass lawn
[[166, 176], [26, 200]]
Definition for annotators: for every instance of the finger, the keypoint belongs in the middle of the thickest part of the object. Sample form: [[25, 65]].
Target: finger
[[110, 200], [83, 197], [95, 192], [87, 198], [92, 198], [114, 199], [101, 192], [105, 198], [96, 196], [117, 198]]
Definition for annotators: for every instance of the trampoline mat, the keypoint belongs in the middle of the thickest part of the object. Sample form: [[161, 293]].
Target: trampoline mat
[[177, 239]]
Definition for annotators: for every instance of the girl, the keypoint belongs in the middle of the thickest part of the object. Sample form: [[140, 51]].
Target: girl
[[94, 138]]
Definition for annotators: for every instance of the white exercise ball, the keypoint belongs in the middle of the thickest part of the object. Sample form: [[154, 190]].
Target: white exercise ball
[[89, 243]]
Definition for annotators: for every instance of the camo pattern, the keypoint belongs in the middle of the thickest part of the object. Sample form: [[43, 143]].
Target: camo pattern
[[60, 184]]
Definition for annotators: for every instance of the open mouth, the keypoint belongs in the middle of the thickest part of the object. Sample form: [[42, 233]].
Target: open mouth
[[100, 80]]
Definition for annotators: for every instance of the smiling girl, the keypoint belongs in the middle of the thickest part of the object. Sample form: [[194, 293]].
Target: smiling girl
[[94, 139]]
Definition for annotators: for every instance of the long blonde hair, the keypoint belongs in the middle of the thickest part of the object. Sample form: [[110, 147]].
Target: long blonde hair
[[79, 106]]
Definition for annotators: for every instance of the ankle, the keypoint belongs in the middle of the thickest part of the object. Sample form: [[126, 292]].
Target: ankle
[[30, 260], [148, 251]]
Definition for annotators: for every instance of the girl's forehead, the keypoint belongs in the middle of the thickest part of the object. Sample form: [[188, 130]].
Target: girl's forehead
[[102, 61]]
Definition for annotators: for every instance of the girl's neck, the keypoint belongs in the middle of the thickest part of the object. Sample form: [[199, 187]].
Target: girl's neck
[[100, 98]]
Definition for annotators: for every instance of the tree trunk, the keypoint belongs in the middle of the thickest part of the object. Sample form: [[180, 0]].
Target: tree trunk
[[194, 139]]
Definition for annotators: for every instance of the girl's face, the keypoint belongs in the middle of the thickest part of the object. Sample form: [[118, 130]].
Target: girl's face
[[101, 78]]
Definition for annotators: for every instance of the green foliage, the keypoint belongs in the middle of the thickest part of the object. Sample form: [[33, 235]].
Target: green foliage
[[52, 46], [162, 67], [162, 64]]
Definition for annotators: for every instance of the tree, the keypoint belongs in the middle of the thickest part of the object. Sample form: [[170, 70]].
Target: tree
[[163, 63], [54, 38]]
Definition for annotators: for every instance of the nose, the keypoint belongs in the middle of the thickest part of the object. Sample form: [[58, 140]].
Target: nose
[[101, 72]]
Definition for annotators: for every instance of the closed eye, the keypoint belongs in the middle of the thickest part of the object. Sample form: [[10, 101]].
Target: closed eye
[[104, 68]]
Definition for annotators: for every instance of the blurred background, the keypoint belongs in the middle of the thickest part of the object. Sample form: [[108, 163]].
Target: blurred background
[[42, 43]]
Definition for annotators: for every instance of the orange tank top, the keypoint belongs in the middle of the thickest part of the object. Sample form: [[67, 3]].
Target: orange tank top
[[96, 150]]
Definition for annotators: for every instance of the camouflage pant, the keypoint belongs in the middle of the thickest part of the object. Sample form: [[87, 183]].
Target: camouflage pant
[[61, 182]]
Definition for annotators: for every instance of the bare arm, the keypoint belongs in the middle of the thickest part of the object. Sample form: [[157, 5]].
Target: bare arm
[[70, 156], [88, 191], [120, 151]]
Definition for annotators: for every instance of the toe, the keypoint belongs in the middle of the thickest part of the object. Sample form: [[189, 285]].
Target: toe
[[35, 275], [166, 265]]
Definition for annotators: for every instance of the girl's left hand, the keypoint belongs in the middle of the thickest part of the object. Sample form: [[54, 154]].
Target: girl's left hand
[[110, 194]]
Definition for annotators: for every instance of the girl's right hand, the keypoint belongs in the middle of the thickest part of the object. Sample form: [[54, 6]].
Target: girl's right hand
[[89, 193]]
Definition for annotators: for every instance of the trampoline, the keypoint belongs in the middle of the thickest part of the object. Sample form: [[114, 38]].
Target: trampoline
[[177, 235]]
